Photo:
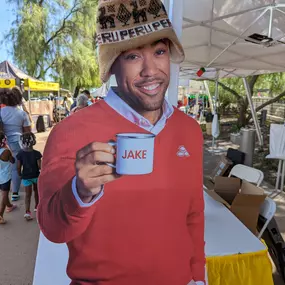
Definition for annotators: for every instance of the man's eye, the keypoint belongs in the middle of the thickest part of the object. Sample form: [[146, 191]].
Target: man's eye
[[131, 57], [160, 52]]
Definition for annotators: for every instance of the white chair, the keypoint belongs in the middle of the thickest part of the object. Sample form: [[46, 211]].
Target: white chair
[[267, 211], [277, 151], [250, 174]]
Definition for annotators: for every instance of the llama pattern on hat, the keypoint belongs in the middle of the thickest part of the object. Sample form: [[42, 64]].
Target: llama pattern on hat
[[138, 10]]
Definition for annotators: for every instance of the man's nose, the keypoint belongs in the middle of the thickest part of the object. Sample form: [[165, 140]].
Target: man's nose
[[149, 67]]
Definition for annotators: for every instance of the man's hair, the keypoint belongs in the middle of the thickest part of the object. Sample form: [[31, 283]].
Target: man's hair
[[2, 139], [10, 97], [86, 92], [28, 139], [82, 100]]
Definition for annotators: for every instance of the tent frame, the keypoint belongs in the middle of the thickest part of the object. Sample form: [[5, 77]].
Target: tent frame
[[177, 21], [269, 8]]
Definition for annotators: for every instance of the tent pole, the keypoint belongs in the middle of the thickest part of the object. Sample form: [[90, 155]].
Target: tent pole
[[29, 98], [253, 113], [175, 12], [196, 23], [209, 96], [270, 22]]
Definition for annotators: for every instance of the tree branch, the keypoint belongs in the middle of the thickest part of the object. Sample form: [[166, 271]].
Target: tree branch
[[43, 73], [228, 89], [251, 85], [62, 27], [271, 101]]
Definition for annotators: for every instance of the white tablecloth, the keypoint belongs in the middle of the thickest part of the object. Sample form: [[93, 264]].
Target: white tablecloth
[[224, 235]]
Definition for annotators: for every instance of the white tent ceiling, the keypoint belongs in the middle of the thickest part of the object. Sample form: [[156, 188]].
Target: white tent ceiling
[[215, 33]]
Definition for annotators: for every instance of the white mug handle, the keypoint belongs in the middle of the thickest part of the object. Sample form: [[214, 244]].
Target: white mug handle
[[110, 164]]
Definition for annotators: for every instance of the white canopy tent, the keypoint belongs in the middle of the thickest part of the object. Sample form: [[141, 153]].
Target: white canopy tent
[[219, 36]]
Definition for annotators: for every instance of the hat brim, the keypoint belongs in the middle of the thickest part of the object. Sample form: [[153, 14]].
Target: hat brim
[[107, 56]]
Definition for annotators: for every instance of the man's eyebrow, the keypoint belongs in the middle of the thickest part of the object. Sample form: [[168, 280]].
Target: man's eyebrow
[[164, 41]]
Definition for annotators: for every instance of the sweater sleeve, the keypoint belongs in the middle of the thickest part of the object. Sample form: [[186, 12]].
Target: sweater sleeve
[[60, 216], [195, 218]]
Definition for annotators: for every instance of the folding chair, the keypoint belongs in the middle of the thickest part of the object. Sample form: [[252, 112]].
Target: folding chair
[[250, 174], [267, 211]]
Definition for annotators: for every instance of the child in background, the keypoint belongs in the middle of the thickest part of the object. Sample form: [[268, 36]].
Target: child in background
[[29, 165], [6, 161]]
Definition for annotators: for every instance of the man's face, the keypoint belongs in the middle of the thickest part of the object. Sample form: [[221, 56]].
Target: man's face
[[143, 76]]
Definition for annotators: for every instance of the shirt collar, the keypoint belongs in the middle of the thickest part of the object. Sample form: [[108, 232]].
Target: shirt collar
[[121, 107]]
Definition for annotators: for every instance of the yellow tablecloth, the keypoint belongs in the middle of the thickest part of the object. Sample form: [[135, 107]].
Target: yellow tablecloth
[[242, 269]]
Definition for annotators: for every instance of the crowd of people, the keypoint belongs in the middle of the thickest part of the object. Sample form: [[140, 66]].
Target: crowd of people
[[19, 162], [85, 99]]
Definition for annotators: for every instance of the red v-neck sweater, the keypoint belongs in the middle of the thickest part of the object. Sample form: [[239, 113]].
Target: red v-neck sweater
[[145, 230]]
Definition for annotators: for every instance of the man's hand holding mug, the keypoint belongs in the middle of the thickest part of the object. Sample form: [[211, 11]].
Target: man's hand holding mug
[[92, 171], [95, 164]]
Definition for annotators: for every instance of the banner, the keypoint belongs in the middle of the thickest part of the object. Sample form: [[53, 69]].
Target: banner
[[41, 85], [7, 83]]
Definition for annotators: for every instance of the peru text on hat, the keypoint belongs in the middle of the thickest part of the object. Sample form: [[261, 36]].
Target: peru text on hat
[[122, 35]]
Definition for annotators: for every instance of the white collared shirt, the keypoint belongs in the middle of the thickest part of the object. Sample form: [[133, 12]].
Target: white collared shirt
[[121, 107]]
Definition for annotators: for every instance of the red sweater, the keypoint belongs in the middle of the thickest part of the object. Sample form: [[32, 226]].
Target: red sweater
[[145, 230]]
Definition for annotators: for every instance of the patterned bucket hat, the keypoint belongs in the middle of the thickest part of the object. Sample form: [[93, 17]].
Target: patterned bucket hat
[[128, 24]]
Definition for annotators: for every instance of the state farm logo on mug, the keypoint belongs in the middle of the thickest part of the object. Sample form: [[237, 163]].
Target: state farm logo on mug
[[135, 152]]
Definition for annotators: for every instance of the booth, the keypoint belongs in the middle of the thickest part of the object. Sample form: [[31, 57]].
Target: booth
[[7, 83]]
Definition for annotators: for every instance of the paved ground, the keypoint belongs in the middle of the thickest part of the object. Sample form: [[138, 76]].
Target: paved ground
[[19, 239]]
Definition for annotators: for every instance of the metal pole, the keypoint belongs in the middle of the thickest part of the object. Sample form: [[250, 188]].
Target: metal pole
[[209, 96], [270, 22], [253, 113], [29, 98], [216, 95], [196, 23]]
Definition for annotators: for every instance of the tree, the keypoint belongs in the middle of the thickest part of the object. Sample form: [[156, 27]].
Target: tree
[[56, 39], [233, 88]]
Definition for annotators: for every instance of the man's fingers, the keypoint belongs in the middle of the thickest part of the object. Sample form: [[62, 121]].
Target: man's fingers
[[94, 147], [94, 158], [94, 183], [94, 171], [100, 170]]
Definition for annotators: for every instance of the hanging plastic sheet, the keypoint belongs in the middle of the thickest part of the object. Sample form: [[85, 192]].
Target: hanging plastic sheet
[[215, 126]]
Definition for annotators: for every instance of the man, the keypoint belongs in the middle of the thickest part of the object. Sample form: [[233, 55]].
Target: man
[[130, 230], [91, 99], [69, 101]]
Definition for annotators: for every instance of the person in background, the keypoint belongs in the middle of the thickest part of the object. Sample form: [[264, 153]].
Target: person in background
[[69, 101], [81, 102], [6, 161], [22, 106], [91, 100], [15, 122], [29, 165], [65, 106]]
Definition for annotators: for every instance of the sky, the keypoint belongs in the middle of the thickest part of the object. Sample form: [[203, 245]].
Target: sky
[[6, 18]]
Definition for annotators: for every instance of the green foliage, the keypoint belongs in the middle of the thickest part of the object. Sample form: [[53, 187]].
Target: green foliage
[[231, 90], [55, 39]]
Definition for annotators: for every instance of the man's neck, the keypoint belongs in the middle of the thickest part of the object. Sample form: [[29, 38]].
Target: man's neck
[[152, 116]]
